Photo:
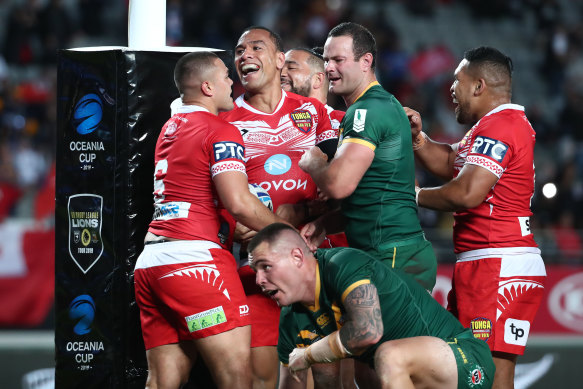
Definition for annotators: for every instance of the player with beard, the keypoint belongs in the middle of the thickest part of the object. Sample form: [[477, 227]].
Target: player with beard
[[499, 275], [277, 128]]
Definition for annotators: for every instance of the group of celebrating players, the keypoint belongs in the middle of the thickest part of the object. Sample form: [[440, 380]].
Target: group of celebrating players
[[331, 289]]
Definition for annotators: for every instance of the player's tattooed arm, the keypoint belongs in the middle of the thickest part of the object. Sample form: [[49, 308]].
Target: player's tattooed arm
[[364, 326]]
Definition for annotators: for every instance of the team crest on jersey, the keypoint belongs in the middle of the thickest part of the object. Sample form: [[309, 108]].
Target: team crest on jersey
[[302, 120], [359, 119], [476, 376], [481, 328]]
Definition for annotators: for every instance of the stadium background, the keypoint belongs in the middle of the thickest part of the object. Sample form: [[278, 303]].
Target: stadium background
[[419, 42]]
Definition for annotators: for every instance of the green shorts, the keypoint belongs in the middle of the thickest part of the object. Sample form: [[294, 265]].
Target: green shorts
[[475, 367], [413, 256]]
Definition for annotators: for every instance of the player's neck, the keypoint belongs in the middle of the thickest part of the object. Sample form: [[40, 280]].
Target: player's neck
[[359, 90], [265, 100]]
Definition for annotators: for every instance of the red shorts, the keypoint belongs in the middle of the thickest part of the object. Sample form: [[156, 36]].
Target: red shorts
[[264, 311], [496, 293], [187, 290]]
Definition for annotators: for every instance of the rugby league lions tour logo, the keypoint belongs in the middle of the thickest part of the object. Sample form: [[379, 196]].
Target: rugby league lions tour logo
[[85, 243]]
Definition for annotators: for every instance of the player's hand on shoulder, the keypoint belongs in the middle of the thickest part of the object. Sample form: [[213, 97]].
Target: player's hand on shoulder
[[313, 234], [414, 121]]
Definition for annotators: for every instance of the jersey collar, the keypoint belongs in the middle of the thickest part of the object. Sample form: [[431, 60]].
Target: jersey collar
[[366, 89], [505, 106], [190, 108], [240, 102], [316, 306]]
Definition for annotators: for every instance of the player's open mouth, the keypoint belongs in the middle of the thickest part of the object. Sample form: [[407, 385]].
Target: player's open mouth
[[270, 293], [249, 68]]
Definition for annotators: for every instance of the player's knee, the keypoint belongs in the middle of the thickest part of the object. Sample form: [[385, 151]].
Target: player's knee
[[168, 380], [390, 360]]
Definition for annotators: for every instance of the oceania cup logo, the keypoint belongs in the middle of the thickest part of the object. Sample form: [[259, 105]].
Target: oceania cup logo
[[82, 310], [88, 113], [85, 243]]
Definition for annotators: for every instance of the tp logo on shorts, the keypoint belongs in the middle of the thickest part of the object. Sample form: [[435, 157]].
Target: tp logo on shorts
[[243, 310], [489, 147], [85, 244], [516, 332]]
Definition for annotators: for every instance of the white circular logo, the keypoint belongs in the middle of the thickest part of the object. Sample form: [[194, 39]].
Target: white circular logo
[[566, 302]]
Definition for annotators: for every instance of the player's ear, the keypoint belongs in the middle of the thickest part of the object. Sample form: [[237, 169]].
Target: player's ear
[[280, 61], [318, 80], [297, 256], [207, 88], [479, 86], [366, 61]]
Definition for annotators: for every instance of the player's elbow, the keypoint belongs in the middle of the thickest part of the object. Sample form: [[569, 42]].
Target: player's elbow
[[467, 201], [338, 190]]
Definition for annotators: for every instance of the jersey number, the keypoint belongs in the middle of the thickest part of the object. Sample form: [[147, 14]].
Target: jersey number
[[159, 174]]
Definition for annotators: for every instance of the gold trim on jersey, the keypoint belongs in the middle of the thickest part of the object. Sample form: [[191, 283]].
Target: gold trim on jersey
[[367, 88], [351, 288], [360, 142]]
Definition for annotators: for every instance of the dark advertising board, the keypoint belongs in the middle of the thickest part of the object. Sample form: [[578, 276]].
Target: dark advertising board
[[112, 103]]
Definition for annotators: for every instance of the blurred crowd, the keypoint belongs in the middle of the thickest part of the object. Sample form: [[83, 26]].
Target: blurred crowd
[[420, 77]]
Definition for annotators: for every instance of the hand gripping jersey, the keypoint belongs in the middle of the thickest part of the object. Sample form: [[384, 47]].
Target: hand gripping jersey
[[335, 117], [275, 142], [503, 143], [194, 146]]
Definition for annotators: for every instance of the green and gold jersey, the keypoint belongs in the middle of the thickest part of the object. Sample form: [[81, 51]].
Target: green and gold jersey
[[406, 307], [382, 209]]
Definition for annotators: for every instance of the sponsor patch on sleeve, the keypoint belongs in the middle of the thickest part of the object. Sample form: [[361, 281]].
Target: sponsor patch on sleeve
[[228, 150], [359, 120], [488, 153]]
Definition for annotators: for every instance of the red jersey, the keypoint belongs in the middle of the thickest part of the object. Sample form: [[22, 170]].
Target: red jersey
[[503, 143], [275, 142], [336, 117], [193, 147]]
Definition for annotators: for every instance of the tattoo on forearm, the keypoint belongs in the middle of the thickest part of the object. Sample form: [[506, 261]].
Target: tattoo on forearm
[[364, 317]]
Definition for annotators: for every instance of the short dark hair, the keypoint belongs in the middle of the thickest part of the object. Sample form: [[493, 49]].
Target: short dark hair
[[191, 64], [268, 234], [489, 57], [362, 39], [315, 60], [275, 38]]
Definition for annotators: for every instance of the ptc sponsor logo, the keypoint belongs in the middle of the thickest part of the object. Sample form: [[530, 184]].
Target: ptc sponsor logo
[[516, 331], [88, 113], [489, 147], [481, 328], [476, 376], [206, 319], [278, 164], [566, 302], [226, 150], [302, 120], [85, 215], [82, 309]]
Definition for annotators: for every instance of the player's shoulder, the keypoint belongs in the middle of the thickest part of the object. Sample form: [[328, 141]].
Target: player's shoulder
[[305, 100], [508, 120]]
